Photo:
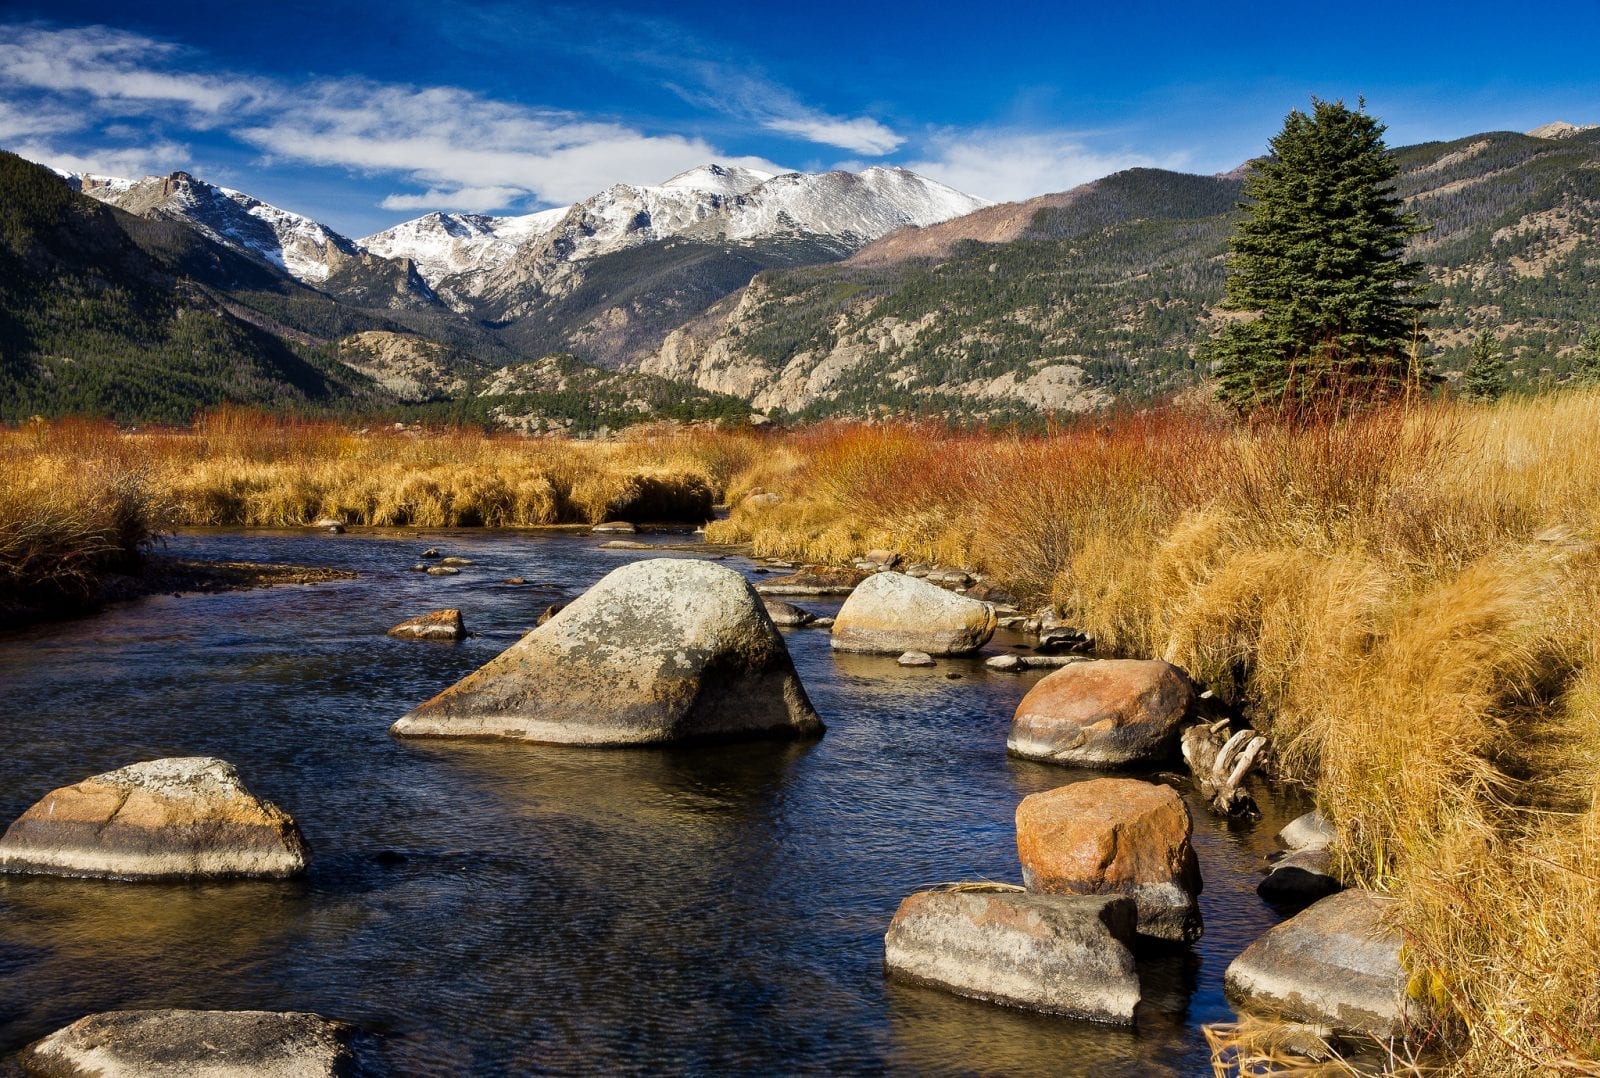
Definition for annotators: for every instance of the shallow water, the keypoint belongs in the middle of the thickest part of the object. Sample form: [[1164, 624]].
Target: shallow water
[[495, 908]]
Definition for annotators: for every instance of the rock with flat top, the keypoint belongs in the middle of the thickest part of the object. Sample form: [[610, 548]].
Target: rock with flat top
[[1061, 954], [439, 625], [1300, 878], [194, 1044], [1115, 836], [814, 580], [915, 658], [658, 651], [1104, 713], [180, 818], [614, 527], [890, 613], [1336, 963]]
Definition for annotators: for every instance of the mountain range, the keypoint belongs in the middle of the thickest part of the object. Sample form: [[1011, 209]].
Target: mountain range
[[722, 289]]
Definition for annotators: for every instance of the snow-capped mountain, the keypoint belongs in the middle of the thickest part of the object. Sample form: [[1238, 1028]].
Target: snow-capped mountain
[[442, 244], [302, 247], [712, 203]]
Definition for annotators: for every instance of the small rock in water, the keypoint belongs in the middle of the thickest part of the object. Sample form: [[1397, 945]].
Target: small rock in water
[[455, 561], [431, 552], [787, 614], [180, 818], [549, 612], [1305, 832], [329, 524], [613, 527], [814, 580], [821, 623], [624, 544], [953, 677], [443, 570], [915, 658], [1300, 878], [1008, 663], [419, 568], [439, 625], [513, 580], [241, 1044]]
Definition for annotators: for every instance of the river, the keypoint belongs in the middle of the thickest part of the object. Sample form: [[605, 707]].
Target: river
[[489, 909]]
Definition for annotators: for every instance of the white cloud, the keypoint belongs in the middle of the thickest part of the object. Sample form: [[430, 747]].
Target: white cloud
[[467, 199], [130, 163], [862, 135], [449, 139], [108, 65], [1007, 165]]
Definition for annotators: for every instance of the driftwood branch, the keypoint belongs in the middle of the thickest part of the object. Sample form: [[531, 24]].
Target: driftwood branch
[[1220, 761]]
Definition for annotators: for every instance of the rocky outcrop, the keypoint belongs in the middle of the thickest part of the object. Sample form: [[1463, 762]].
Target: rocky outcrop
[[198, 1044], [890, 613], [814, 580], [180, 818], [658, 651], [1060, 954], [1106, 713], [439, 625], [1335, 964], [1115, 836]]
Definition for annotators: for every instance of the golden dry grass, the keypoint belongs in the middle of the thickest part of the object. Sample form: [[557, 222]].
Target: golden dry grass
[[1408, 601]]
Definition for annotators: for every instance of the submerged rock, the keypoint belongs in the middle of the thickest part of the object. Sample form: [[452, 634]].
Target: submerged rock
[[1059, 954], [658, 651], [891, 613], [1103, 713], [1115, 836], [1337, 963], [439, 625], [201, 1044], [179, 818]]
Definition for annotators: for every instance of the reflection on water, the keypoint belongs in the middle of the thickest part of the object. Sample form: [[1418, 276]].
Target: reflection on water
[[508, 908]]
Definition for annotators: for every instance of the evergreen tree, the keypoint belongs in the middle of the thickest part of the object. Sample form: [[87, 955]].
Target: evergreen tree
[[1485, 376], [1318, 260], [1586, 369]]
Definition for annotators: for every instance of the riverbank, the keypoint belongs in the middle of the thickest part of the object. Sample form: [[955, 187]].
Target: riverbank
[[1408, 603]]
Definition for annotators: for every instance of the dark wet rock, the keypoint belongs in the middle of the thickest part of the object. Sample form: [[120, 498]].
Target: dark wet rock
[[658, 651], [890, 613], [1105, 713], [1300, 878], [154, 1043], [431, 552], [1337, 963], [439, 625], [1115, 836], [1061, 954], [178, 818]]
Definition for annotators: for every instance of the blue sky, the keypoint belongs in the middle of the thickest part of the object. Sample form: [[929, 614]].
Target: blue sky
[[362, 115]]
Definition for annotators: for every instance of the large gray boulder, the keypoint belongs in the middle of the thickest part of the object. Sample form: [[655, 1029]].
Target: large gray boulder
[[1337, 963], [891, 613], [180, 818], [658, 651], [194, 1044], [1061, 954]]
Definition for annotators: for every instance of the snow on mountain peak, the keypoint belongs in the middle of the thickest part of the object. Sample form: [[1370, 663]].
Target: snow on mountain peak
[[719, 179]]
